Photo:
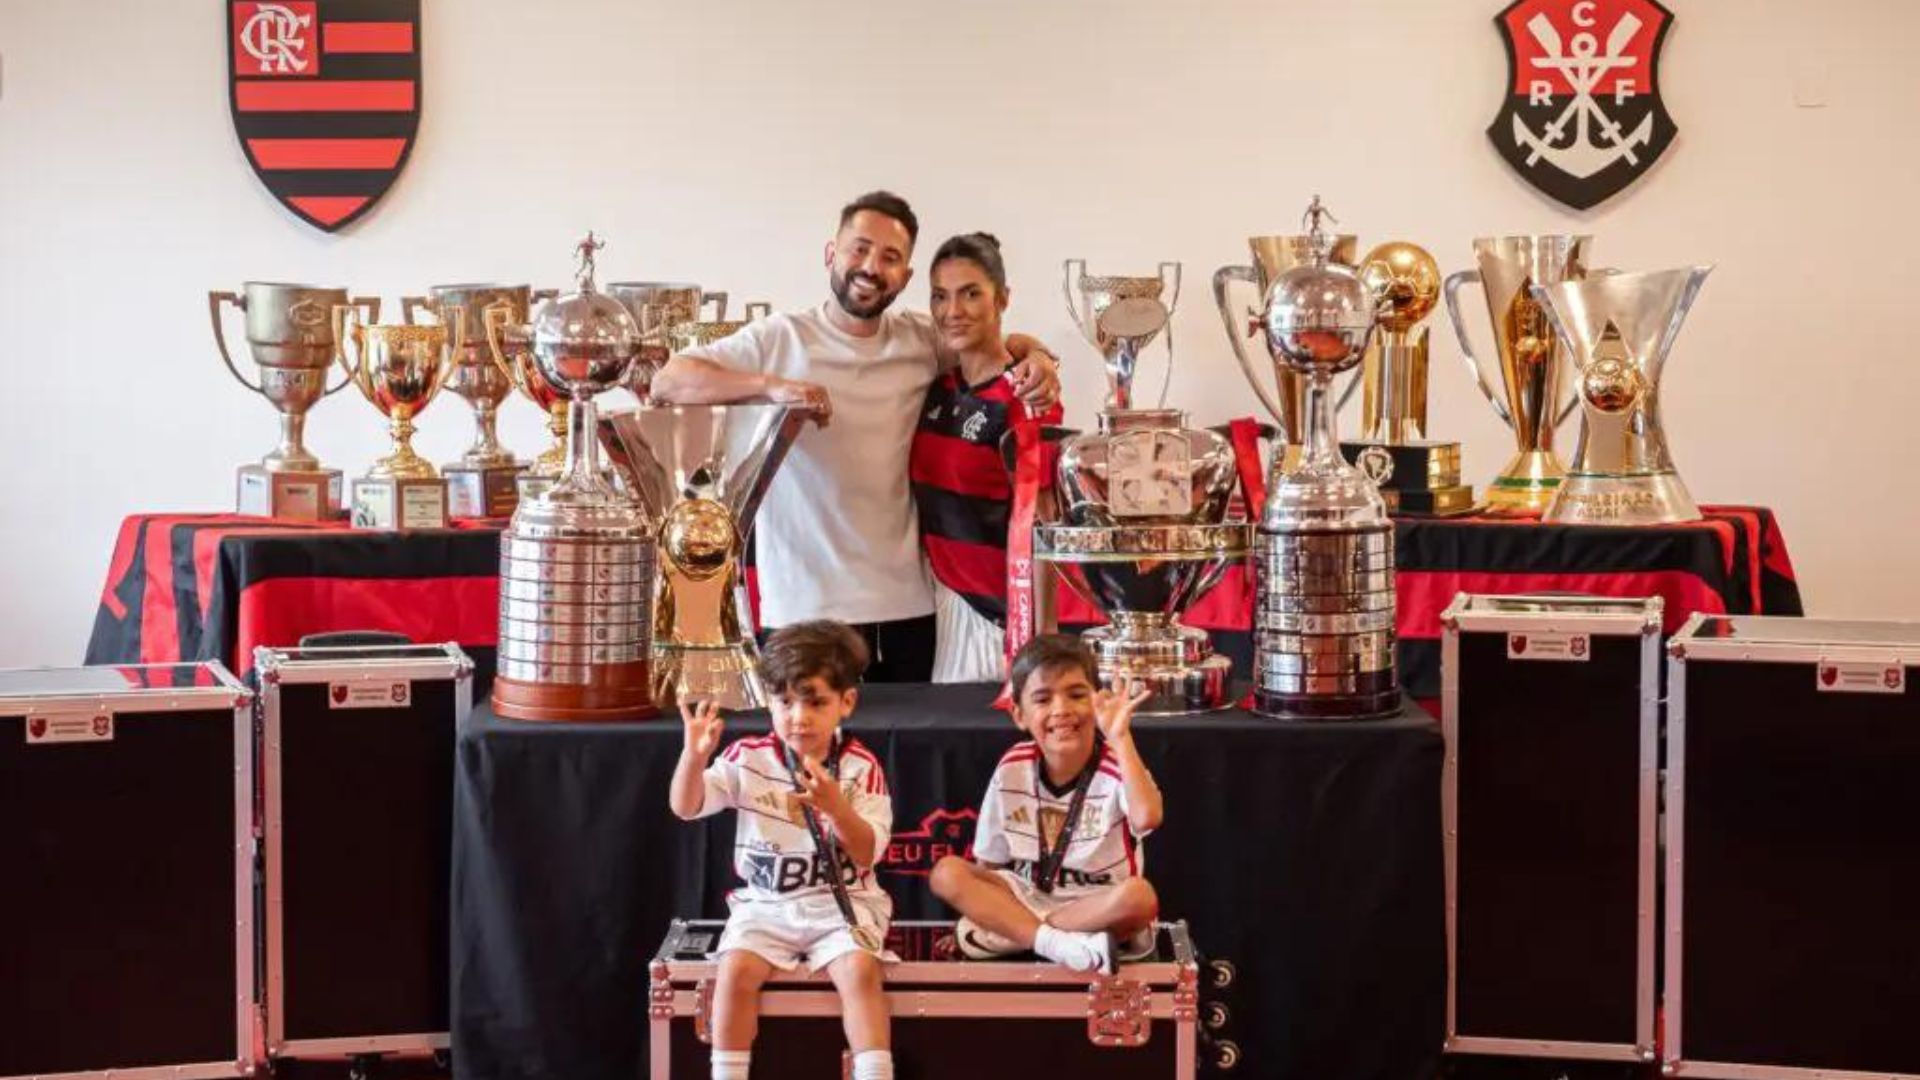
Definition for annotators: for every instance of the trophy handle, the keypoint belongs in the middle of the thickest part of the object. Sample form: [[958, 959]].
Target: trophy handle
[[454, 318], [343, 328], [1354, 380], [718, 298], [411, 305], [1075, 269], [220, 335], [758, 309], [1237, 335], [371, 305], [487, 317], [1171, 281], [1452, 293]]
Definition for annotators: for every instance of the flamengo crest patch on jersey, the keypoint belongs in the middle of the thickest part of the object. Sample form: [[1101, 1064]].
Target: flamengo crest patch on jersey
[[1582, 117], [326, 99]]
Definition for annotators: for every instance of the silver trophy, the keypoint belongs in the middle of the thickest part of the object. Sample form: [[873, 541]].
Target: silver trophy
[[290, 338], [1619, 328], [1144, 506], [577, 563], [1286, 402], [701, 471], [658, 307], [1323, 623]]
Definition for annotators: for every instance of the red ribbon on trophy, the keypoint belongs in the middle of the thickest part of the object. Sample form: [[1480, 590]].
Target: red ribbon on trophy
[[1028, 470], [1245, 434]]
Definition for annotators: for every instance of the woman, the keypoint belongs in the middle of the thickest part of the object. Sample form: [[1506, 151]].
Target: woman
[[962, 486]]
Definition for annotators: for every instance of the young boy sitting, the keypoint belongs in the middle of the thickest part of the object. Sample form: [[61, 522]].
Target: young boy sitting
[[814, 814], [1057, 849]]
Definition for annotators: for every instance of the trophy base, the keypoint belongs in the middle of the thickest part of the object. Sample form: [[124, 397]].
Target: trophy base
[[1417, 479], [1525, 487], [1178, 672], [609, 692], [482, 491], [1444, 502], [1377, 704], [1645, 499], [383, 503], [292, 495], [728, 675]]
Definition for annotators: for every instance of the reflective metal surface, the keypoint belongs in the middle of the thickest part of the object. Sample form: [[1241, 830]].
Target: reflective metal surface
[[290, 336], [1119, 317], [399, 370], [479, 377], [1272, 256]]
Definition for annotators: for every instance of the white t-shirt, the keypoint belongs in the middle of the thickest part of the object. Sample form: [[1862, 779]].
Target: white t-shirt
[[1104, 849], [773, 852], [836, 537]]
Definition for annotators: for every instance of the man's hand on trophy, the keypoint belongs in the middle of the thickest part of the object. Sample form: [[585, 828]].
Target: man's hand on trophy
[[795, 392], [703, 728]]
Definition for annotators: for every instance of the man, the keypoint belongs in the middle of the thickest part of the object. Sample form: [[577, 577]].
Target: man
[[836, 537]]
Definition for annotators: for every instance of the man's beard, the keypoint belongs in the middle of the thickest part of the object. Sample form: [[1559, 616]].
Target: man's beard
[[841, 284]]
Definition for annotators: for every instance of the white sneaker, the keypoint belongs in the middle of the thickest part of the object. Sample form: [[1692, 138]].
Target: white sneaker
[[976, 942], [1076, 951]]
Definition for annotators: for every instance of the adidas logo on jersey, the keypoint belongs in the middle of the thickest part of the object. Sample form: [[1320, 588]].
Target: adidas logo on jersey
[[1020, 817]]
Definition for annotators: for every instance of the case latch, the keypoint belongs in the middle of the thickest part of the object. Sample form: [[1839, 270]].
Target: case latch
[[1118, 1013]]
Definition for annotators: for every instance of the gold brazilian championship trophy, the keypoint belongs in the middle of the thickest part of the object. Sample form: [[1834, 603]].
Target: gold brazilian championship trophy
[[399, 370], [1417, 476], [290, 336]]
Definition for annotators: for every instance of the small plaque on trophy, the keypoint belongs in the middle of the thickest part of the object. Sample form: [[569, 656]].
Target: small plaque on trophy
[[531, 485], [289, 495], [482, 492], [385, 503], [1417, 478]]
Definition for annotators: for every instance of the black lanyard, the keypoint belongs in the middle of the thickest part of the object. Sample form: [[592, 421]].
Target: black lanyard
[[828, 848], [1047, 867]]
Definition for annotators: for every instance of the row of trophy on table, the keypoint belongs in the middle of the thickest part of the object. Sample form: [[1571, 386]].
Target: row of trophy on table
[[464, 338]]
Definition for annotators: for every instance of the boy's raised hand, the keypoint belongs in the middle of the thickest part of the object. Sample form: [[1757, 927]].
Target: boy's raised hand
[[1113, 712], [703, 728], [820, 790]]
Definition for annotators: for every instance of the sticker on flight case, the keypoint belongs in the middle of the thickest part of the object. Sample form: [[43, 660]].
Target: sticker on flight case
[[1577, 647], [369, 695], [71, 728], [1861, 678]]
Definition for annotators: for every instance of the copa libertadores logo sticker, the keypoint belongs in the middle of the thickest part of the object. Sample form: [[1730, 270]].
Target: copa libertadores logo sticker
[[1582, 117], [326, 99]]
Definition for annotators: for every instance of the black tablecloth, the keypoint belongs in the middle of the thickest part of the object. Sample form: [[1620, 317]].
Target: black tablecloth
[[1310, 856]]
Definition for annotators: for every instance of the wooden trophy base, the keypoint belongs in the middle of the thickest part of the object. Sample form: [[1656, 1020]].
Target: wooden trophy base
[[296, 495], [1417, 479], [614, 692], [490, 491], [387, 503]]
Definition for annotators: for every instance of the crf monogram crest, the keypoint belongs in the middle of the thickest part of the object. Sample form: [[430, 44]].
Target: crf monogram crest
[[325, 99], [1582, 117]]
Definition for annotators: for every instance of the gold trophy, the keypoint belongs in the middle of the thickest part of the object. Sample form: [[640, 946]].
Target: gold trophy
[[691, 335], [507, 340], [483, 483], [1417, 476], [290, 336], [1273, 256], [1531, 358], [399, 369], [658, 306]]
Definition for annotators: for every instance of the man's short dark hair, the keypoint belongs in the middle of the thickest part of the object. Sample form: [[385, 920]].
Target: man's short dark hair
[[1048, 651], [830, 650], [884, 202]]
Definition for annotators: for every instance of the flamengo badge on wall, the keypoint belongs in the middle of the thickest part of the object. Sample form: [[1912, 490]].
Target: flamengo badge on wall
[[325, 98], [1582, 115]]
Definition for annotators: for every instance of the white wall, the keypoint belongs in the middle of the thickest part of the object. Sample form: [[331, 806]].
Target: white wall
[[714, 141]]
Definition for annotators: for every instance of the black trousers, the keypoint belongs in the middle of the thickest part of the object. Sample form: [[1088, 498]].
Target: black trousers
[[902, 649]]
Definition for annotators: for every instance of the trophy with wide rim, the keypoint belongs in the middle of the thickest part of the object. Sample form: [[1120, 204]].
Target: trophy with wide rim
[[483, 483], [1531, 360], [1323, 624], [658, 307], [577, 562], [692, 334], [289, 334], [1619, 329], [399, 369], [1144, 530]]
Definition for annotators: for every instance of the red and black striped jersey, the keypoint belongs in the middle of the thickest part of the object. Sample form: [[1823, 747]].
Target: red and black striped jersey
[[963, 489]]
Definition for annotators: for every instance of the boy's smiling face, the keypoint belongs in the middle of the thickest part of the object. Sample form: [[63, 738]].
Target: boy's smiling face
[[1056, 708]]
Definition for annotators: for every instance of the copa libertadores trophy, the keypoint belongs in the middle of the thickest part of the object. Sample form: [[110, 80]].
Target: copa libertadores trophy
[[1273, 256], [1323, 628], [1144, 505], [577, 561], [658, 307], [1417, 476], [399, 370], [1619, 329], [290, 337], [1531, 360], [701, 470], [483, 482]]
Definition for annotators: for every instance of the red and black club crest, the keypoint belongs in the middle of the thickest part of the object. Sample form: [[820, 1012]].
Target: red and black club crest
[[1582, 117], [326, 99]]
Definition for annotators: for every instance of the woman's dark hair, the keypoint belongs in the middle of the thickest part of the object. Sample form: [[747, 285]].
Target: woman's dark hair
[[981, 249]]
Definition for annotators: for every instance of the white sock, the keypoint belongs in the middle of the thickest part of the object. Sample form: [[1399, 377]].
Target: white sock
[[1065, 947], [873, 1065], [731, 1064]]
